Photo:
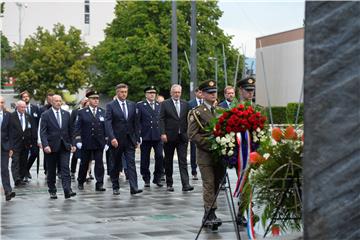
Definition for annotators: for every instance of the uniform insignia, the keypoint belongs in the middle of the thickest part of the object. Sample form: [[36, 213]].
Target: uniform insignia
[[211, 83], [87, 110], [205, 109], [35, 114], [101, 119], [144, 104], [250, 81], [99, 110], [191, 118], [197, 112]]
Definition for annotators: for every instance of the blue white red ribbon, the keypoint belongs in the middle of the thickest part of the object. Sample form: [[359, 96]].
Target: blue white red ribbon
[[250, 221], [243, 160]]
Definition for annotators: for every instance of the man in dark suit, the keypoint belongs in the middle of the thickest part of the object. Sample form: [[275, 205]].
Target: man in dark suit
[[90, 138], [149, 116], [5, 132], [229, 94], [22, 136], [173, 129], [193, 104], [55, 134], [122, 131], [77, 154], [34, 113]]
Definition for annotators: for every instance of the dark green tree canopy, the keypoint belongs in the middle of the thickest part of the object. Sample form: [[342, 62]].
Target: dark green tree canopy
[[51, 61], [5, 47], [137, 47]]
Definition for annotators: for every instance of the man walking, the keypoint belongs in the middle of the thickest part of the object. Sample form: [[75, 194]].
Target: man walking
[[90, 138], [149, 115], [122, 131], [55, 134], [173, 129]]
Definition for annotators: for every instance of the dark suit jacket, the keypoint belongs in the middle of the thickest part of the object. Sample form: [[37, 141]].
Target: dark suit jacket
[[117, 126], [90, 129], [170, 123], [5, 131], [193, 103], [73, 117], [224, 104], [148, 121], [44, 108], [18, 138], [50, 132]]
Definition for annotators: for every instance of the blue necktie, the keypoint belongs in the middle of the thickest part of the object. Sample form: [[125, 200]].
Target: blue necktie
[[124, 110]]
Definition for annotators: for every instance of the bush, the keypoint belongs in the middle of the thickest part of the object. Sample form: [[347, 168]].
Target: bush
[[291, 111], [278, 113]]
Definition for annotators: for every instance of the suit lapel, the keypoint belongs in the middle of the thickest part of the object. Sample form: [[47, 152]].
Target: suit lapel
[[53, 117], [174, 108], [117, 103]]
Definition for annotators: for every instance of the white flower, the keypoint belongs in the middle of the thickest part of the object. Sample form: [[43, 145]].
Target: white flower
[[258, 129], [230, 153], [223, 141], [217, 139], [231, 145], [223, 152], [266, 155], [273, 142], [255, 138], [232, 134]]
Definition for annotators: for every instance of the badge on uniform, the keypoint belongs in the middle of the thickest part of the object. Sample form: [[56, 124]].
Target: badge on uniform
[[87, 110], [99, 110], [191, 118], [29, 125], [35, 114], [101, 119]]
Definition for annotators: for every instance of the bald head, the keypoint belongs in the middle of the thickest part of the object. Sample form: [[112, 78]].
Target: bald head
[[56, 101]]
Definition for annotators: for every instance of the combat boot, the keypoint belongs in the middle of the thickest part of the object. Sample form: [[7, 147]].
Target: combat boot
[[215, 220], [206, 218]]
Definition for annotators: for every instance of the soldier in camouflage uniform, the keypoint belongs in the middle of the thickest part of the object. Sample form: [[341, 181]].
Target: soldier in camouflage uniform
[[212, 170]]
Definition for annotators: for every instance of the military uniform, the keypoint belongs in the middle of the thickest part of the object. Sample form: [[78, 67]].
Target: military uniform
[[90, 132], [149, 116], [212, 170]]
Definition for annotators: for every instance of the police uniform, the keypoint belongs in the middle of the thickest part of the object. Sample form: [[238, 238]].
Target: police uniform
[[149, 115], [212, 170], [90, 138]]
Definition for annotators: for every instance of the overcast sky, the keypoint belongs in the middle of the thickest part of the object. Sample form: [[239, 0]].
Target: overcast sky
[[247, 20]]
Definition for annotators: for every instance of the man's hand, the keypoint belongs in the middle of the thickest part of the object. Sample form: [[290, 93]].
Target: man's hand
[[73, 149], [114, 143], [164, 138], [47, 149]]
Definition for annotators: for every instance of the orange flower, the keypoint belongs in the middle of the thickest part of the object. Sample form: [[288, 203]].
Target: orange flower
[[255, 157], [290, 133], [277, 134]]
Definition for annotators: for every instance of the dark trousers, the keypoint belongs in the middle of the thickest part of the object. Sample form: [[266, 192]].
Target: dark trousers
[[87, 157], [108, 162], [18, 164], [34, 154], [193, 158], [127, 149], [5, 176], [61, 157], [145, 160], [181, 149]]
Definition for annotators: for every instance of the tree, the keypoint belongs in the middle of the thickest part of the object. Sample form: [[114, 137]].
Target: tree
[[5, 47], [51, 61], [137, 47]]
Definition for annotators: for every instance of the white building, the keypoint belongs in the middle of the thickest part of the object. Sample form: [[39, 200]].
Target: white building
[[283, 56], [22, 19]]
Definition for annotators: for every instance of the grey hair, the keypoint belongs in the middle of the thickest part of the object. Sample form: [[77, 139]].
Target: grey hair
[[175, 86]]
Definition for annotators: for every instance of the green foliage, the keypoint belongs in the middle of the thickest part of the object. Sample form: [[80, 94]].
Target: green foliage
[[51, 61], [137, 47], [291, 111], [276, 178], [278, 114], [5, 47]]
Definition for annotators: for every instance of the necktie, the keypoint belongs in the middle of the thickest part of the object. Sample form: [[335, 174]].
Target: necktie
[[152, 106], [124, 110], [94, 112], [177, 106], [58, 118], [28, 109], [22, 121], [212, 110], [199, 102]]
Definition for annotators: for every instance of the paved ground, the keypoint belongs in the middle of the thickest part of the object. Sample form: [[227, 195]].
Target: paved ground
[[154, 214]]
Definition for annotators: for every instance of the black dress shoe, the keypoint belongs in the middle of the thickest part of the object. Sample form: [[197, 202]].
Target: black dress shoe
[[69, 194], [116, 192], [147, 185], [81, 186], [53, 195], [100, 189], [9, 196], [135, 191], [169, 189], [159, 184], [188, 188], [28, 175]]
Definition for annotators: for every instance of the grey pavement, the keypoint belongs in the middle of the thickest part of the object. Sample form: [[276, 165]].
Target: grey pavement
[[153, 214]]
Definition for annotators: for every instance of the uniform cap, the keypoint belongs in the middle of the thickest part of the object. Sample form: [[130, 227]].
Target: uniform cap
[[247, 83], [92, 94], [208, 86], [150, 89]]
